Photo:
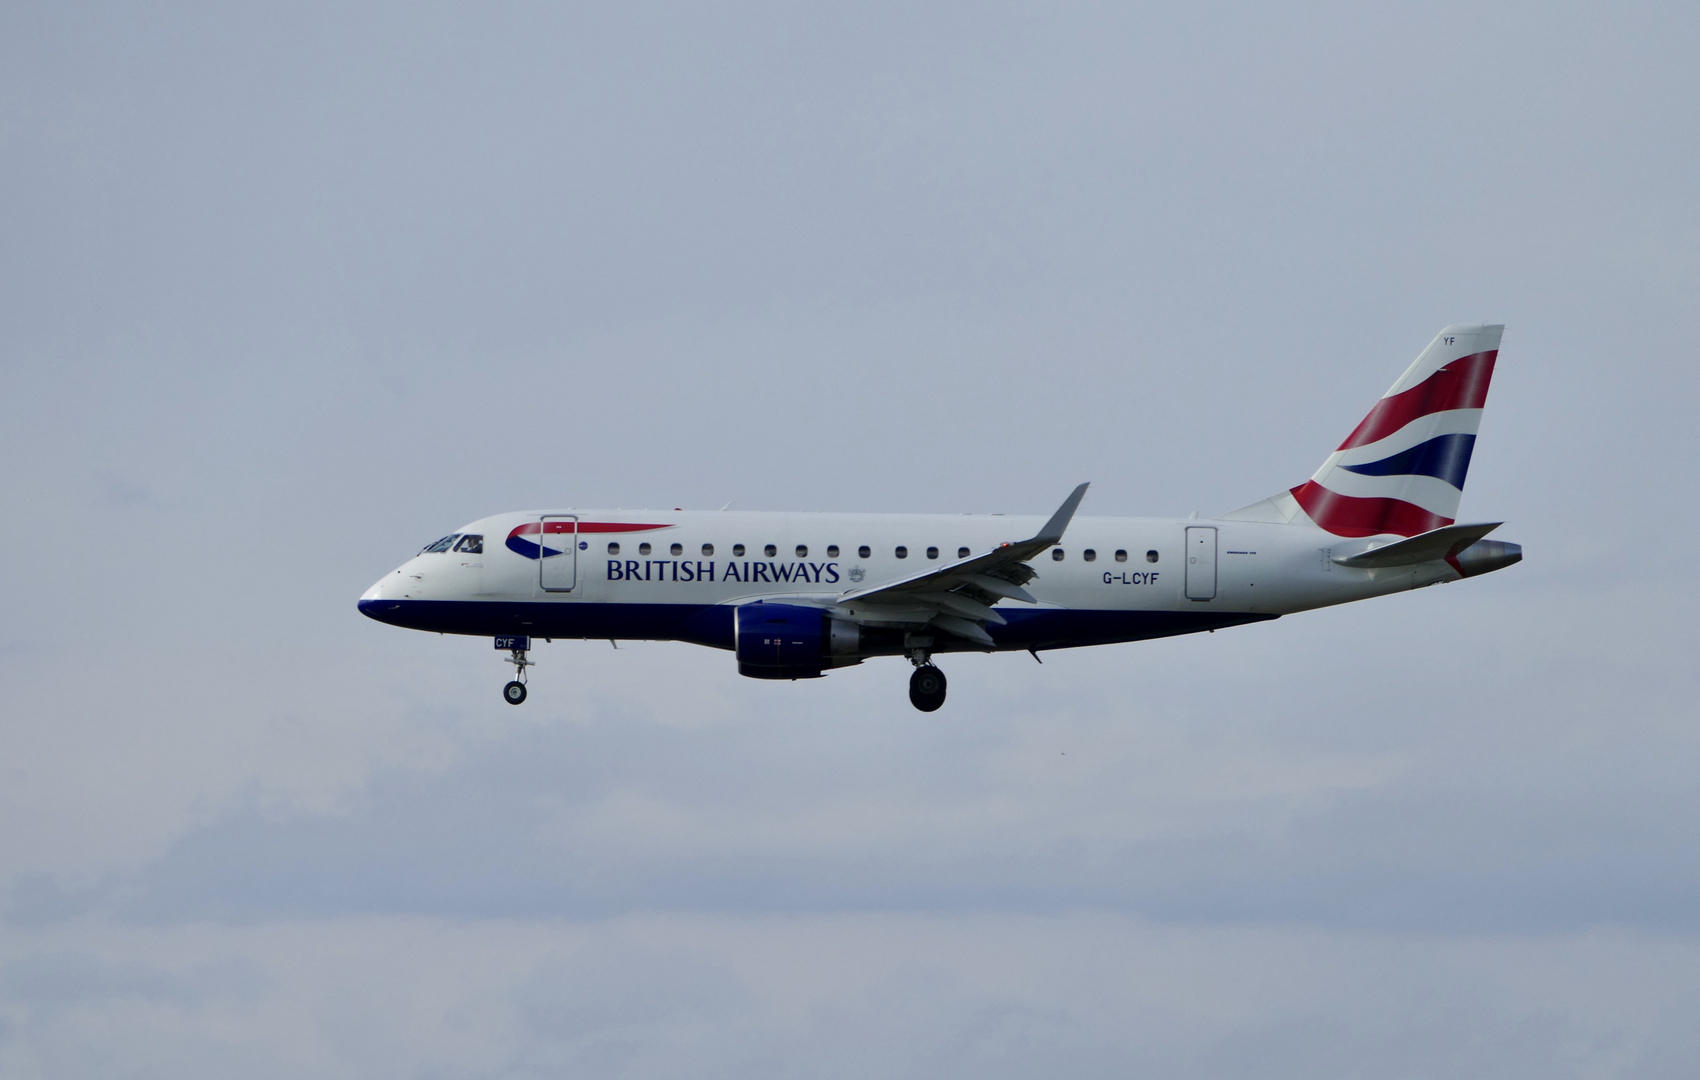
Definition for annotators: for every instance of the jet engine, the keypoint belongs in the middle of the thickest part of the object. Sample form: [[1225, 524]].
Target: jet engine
[[791, 641]]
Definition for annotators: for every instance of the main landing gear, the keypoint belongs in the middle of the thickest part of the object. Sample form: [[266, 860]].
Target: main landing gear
[[927, 684]]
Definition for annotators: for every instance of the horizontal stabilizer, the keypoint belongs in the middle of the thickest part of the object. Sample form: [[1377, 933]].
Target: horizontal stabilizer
[[1431, 546]]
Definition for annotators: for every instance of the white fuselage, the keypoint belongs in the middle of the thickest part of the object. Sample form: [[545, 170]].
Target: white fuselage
[[1102, 565]]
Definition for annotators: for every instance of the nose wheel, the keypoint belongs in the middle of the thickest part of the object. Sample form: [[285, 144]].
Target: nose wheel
[[926, 688], [514, 692]]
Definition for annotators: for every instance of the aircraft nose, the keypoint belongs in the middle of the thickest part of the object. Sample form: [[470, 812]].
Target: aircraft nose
[[376, 602]]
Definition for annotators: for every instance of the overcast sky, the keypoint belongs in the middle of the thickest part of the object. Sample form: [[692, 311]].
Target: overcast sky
[[286, 294]]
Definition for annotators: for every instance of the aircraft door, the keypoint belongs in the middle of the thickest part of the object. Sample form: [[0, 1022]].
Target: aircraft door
[[557, 565], [1200, 562]]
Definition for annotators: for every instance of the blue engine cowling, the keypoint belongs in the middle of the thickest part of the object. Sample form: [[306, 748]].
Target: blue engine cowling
[[782, 641]]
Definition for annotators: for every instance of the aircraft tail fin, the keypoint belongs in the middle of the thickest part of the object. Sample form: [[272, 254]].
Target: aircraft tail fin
[[1401, 470]]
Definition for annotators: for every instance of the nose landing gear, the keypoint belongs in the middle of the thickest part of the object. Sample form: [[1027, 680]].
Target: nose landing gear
[[517, 647], [927, 684]]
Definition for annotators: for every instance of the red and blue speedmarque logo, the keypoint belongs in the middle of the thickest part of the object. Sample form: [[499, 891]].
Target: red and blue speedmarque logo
[[562, 532]]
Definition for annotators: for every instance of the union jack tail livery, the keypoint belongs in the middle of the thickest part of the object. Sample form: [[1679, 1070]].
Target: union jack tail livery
[[1401, 470]]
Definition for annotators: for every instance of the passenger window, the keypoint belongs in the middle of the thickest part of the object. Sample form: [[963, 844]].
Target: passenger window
[[644, 548], [1056, 554], [471, 544], [708, 549], [802, 551], [865, 551], [1121, 554], [902, 552], [677, 549], [932, 553], [832, 551], [1089, 555], [962, 553], [738, 550], [771, 551], [614, 547], [442, 545], [1151, 556]]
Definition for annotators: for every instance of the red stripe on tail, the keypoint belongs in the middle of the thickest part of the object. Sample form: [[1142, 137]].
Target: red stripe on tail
[[1461, 384], [1345, 515]]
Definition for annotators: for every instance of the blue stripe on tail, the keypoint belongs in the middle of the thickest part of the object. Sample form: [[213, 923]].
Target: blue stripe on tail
[[1446, 457]]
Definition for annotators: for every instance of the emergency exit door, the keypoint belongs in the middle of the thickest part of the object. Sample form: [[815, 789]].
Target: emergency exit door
[[557, 564], [1200, 562]]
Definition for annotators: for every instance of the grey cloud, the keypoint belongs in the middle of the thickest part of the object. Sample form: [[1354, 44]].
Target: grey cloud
[[834, 995], [602, 1008], [37, 899], [62, 980], [1143, 793]]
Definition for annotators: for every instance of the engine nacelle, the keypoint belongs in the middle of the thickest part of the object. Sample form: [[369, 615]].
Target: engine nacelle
[[790, 641]]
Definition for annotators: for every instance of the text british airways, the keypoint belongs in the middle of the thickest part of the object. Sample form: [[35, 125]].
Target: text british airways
[[808, 573]]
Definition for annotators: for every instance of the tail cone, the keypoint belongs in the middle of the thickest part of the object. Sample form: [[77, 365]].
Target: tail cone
[[1486, 556]]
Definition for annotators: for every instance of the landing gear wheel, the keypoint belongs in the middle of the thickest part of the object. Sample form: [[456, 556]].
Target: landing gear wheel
[[926, 688], [514, 692]]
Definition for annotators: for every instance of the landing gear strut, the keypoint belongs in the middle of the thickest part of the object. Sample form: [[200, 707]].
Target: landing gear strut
[[514, 692], [927, 684]]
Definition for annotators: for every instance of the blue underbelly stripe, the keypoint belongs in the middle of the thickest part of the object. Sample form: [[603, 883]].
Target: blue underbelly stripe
[[711, 625]]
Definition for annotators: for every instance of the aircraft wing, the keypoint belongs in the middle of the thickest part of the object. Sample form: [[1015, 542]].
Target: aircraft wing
[[957, 597]]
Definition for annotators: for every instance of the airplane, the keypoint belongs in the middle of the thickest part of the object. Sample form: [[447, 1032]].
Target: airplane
[[795, 595]]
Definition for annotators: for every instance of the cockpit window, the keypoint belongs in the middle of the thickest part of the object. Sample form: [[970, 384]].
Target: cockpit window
[[471, 544], [444, 544]]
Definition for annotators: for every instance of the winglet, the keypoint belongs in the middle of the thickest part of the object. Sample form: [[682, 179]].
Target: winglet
[[1053, 530]]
